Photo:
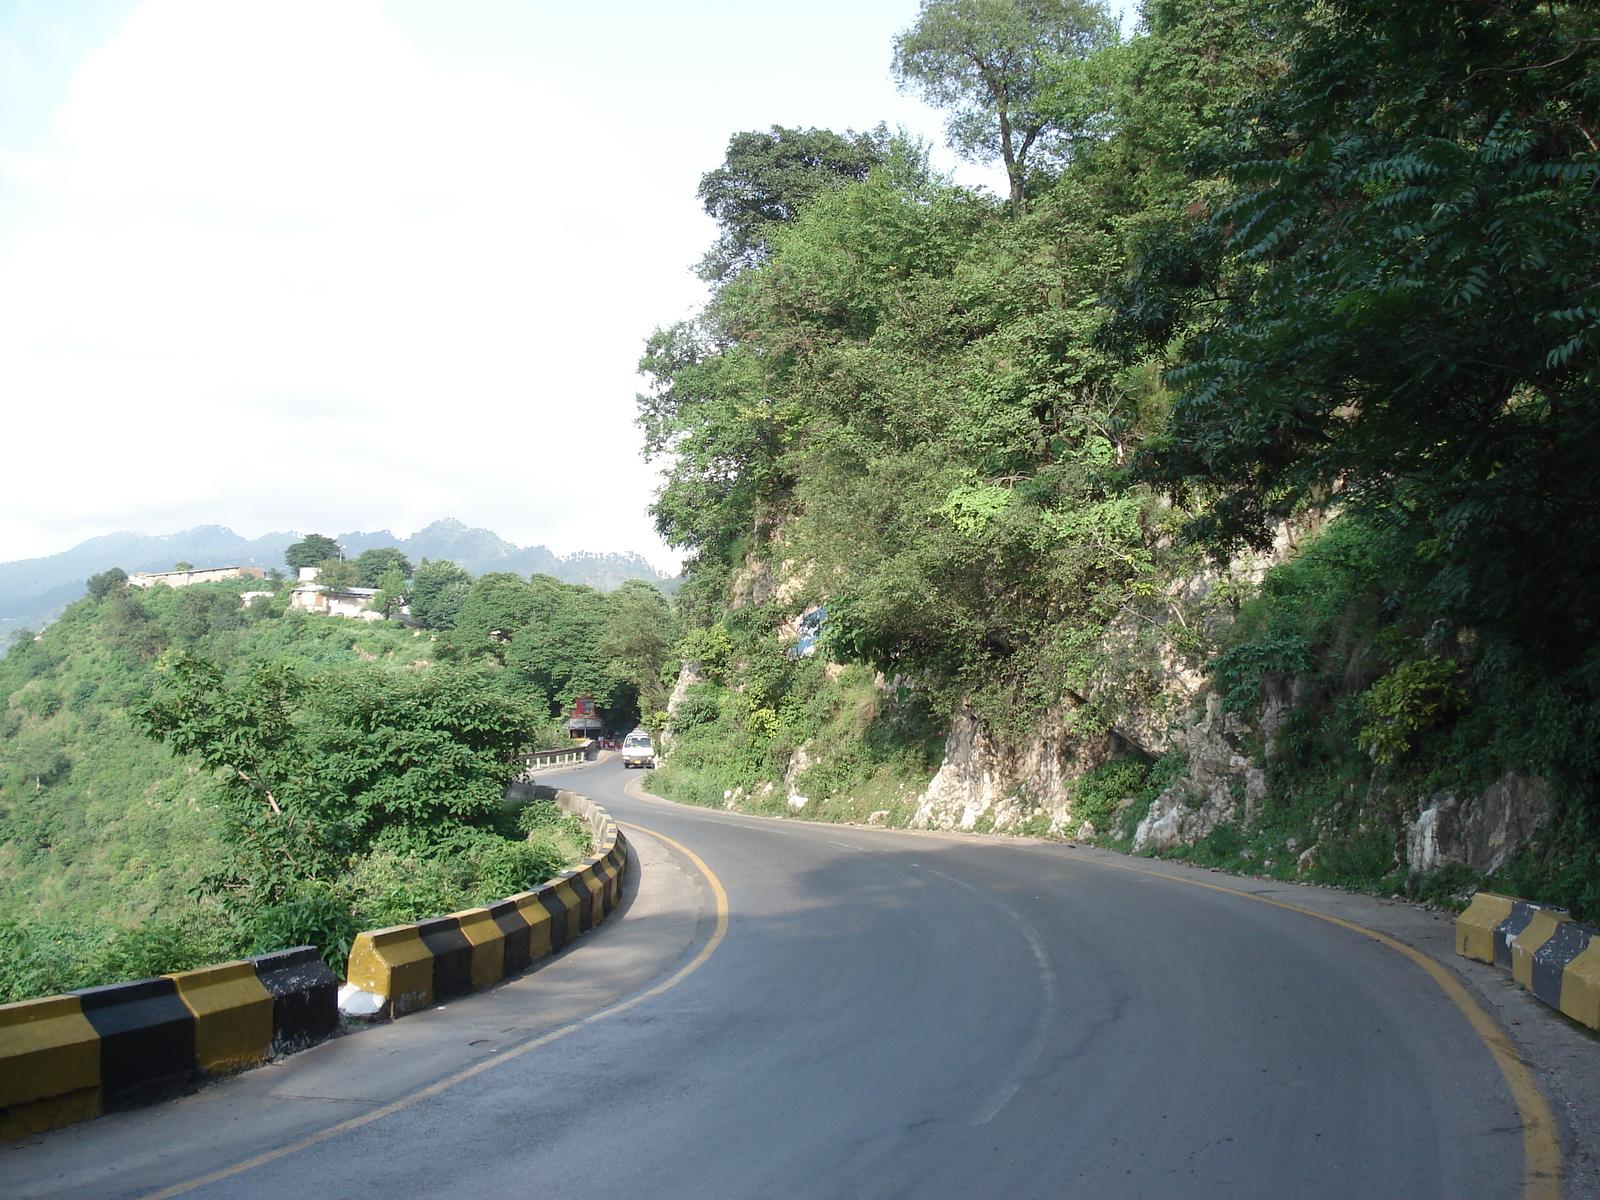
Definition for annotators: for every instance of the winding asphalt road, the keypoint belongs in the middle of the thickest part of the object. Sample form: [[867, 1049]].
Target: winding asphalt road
[[817, 1011]]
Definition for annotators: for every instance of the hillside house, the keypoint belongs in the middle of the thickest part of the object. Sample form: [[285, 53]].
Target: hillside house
[[335, 602]]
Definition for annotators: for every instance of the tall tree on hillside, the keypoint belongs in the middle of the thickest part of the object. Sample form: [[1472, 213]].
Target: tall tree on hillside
[[767, 178], [372, 565], [638, 640], [438, 591], [310, 551], [498, 605], [557, 651], [988, 61]]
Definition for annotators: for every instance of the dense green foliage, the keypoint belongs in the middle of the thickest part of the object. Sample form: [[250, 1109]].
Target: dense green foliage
[[319, 775], [988, 62], [1265, 263], [311, 550], [767, 178], [552, 642]]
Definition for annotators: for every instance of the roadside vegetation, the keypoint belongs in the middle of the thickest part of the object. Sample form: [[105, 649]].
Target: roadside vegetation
[[1313, 276], [189, 777]]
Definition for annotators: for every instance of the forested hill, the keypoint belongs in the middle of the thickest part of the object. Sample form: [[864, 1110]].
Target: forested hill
[[1229, 487], [35, 590]]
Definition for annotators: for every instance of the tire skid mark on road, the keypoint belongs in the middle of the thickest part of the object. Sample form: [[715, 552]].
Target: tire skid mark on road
[[1021, 1066]]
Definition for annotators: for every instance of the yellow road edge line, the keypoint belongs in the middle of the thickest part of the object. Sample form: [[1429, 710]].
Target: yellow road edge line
[[433, 1089], [1541, 1151]]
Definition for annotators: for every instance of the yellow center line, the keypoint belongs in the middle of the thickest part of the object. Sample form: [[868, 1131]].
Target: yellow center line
[[462, 1076]]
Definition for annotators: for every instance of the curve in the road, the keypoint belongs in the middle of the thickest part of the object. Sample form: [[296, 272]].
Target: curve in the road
[[877, 1015], [450, 1081], [1541, 1151]]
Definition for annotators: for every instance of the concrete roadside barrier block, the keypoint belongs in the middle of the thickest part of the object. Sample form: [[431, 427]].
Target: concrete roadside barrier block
[[305, 997], [515, 934], [49, 1066], [452, 957], [1548, 963], [394, 963], [1580, 984], [1475, 927], [146, 1041], [586, 880], [606, 872], [488, 956], [1506, 932], [571, 906], [1540, 928], [532, 909], [562, 905], [232, 1016]]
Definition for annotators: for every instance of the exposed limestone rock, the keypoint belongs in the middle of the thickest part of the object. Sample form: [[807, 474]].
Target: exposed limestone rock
[[759, 582], [688, 676], [1222, 784], [1485, 832], [985, 776], [798, 762]]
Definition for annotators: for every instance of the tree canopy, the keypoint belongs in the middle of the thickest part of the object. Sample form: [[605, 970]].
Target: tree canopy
[[1395, 305], [310, 550], [768, 177], [987, 63], [372, 565]]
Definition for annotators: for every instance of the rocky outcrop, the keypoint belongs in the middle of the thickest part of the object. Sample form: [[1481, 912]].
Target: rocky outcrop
[[1482, 833], [1222, 784], [688, 676], [798, 762], [1004, 781]]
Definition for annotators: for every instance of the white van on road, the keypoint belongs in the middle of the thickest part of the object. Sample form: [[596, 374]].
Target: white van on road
[[638, 750]]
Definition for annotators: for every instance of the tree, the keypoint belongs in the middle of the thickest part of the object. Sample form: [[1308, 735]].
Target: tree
[[183, 565], [438, 591], [372, 565], [987, 61], [336, 573], [557, 651], [391, 593], [310, 551], [106, 582], [498, 605], [768, 178], [1399, 302], [313, 772], [244, 730], [638, 641]]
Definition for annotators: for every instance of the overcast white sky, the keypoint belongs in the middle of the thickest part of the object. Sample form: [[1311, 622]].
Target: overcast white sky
[[349, 264]]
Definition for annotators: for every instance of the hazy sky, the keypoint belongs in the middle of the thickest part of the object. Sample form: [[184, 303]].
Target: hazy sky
[[342, 264]]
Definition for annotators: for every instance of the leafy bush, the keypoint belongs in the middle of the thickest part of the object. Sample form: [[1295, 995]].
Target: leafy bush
[[1096, 796], [1415, 696]]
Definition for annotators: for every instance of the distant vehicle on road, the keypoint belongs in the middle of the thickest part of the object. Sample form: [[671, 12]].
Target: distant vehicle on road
[[638, 750]]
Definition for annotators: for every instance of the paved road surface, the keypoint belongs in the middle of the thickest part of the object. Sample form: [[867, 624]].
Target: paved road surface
[[887, 1015]]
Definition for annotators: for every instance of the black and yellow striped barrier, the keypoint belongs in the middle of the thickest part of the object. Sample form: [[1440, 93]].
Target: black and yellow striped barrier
[[68, 1058], [1546, 951], [407, 967]]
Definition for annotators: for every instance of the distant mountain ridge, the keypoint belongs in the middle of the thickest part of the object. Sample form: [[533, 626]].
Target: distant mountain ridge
[[35, 590]]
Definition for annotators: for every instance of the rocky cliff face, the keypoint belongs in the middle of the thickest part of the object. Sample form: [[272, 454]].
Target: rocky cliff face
[[1482, 832], [1226, 783], [1223, 784], [1002, 781]]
